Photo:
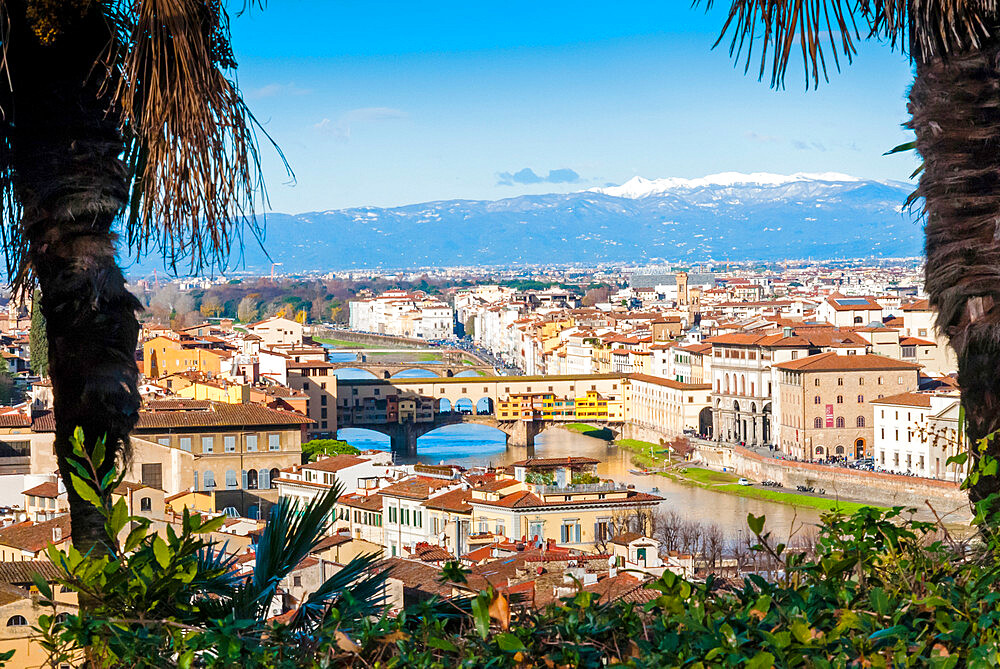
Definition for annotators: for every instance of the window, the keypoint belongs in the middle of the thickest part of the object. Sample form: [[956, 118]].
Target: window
[[406, 517], [816, 382], [231, 480], [501, 528], [275, 473], [418, 518], [840, 421], [251, 443], [840, 399], [152, 475], [252, 479], [909, 351], [264, 479], [145, 504], [817, 422], [861, 381], [880, 380], [899, 380], [840, 380], [274, 442], [209, 480], [861, 399], [229, 441], [816, 399], [207, 444], [393, 514], [861, 421], [17, 621], [297, 581], [163, 441], [322, 401], [570, 532], [185, 444]]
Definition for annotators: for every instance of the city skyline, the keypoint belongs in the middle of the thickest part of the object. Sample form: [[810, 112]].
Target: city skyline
[[477, 103]]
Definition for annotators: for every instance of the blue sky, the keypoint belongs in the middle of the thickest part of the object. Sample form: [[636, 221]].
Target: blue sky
[[391, 103]]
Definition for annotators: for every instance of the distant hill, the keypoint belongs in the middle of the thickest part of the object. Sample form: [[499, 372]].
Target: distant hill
[[725, 216]]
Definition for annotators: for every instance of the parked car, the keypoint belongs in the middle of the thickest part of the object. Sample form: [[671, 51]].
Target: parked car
[[744, 482]]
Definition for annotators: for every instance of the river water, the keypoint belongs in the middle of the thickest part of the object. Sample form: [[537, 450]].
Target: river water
[[478, 445]]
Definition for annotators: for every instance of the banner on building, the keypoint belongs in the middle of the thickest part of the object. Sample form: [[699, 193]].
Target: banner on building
[[829, 415]]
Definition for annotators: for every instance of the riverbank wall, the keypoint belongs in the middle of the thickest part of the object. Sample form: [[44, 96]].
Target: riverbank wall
[[365, 338], [874, 487]]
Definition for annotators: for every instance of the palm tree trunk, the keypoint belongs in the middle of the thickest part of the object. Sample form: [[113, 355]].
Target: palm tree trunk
[[72, 184], [955, 110]]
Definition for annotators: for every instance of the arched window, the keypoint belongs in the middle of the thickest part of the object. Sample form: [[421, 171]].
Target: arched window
[[275, 473], [62, 617], [861, 399], [209, 480], [819, 450], [816, 399], [861, 421], [146, 504], [17, 621], [231, 480], [840, 399], [840, 421], [840, 450], [252, 479], [817, 422]]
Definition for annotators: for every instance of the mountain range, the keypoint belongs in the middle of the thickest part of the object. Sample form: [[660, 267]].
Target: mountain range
[[728, 216]]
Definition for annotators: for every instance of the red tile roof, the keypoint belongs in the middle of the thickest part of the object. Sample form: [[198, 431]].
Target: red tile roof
[[335, 463], [34, 537], [158, 416], [47, 489], [831, 362], [417, 487], [921, 400], [456, 501]]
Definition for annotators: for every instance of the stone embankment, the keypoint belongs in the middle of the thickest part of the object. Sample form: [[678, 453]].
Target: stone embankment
[[388, 341], [874, 487]]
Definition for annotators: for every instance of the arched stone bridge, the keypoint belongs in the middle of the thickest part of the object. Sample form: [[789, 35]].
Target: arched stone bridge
[[403, 436], [387, 370]]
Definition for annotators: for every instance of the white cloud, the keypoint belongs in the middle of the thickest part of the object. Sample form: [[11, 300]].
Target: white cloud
[[341, 128]]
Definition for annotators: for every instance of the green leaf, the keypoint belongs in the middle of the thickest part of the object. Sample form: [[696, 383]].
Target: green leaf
[[85, 491], [756, 523], [509, 643], [801, 632], [906, 146], [442, 644], [98, 456], [481, 615], [211, 525], [185, 660], [959, 459], [761, 660], [161, 551], [42, 585]]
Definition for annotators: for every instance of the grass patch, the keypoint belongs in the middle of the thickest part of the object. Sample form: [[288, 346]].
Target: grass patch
[[820, 503], [641, 452], [590, 431], [707, 476]]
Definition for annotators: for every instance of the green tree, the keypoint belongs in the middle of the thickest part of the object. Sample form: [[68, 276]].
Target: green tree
[[314, 449], [954, 46], [8, 390], [38, 340], [119, 116]]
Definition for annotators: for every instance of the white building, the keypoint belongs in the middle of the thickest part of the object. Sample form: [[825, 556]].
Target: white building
[[916, 433], [403, 314], [405, 520]]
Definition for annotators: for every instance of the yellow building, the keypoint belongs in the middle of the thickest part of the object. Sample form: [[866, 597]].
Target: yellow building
[[165, 355], [20, 608]]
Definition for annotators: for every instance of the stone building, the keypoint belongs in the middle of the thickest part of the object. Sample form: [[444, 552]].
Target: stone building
[[825, 408]]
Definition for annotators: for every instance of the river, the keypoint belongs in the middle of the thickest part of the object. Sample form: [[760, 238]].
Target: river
[[478, 445]]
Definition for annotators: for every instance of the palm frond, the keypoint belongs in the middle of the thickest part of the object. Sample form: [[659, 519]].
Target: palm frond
[[194, 154], [293, 530], [354, 589], [826, 30]]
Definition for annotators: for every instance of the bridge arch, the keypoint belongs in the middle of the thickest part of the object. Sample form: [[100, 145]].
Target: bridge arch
[[348, 373], [364, 438], [465, 405], [485, 406], [412, 373], [444, 405]]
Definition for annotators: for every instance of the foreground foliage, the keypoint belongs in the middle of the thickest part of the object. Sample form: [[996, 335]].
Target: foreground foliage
[[878, 589]]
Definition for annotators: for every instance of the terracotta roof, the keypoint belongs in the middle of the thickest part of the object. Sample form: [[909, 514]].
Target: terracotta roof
[[914, 341], [15, 420], [626, 538], [331, 541], [335, 463], [427, 553], [47, 489], [17, 573], [456, 501], [167, 415], [739, 338], [842, 303], [669, 383], [918, 305], [921, 400], [498, 484], [415, 488], [33, 537], [555, 462], [529, 500], [831, 362], [623, 587], [363, 502], [415, 574]]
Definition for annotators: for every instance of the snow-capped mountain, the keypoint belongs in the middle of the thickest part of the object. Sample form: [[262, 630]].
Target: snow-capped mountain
[[723, 216], [638, 187]]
